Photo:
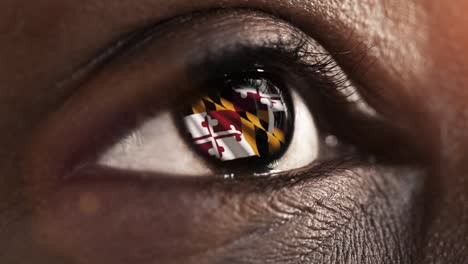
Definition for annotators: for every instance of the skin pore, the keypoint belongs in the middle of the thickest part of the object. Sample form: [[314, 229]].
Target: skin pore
[[413, 71]]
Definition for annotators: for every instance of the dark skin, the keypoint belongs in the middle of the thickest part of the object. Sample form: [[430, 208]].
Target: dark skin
[[411, 211]]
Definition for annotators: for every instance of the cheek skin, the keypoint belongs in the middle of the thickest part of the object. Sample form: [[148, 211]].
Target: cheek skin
[[317, 219]]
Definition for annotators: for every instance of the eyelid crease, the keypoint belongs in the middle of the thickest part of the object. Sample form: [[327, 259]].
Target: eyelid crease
[[132, 40], [118, 47], [99, 60]]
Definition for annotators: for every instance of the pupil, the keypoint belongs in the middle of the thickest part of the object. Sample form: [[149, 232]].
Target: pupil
[[246, 119]]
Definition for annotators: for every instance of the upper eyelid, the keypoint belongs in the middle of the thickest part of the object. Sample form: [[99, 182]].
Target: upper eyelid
[[129, 40], [140, 45], [133, 39]]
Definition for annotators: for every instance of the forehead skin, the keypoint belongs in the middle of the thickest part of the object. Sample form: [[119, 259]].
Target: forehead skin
[[419, 73]]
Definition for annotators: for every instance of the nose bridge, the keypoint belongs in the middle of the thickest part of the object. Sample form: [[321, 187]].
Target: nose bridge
[[447, 93], [446, 238], [445, 221]]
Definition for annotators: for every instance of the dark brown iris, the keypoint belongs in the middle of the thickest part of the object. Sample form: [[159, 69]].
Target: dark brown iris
[[248, 118]]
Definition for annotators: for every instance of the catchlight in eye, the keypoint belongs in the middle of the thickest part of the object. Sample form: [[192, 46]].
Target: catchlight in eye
[[246, 118]]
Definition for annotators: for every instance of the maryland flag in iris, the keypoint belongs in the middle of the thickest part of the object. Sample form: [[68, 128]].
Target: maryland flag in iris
[[250, 119]]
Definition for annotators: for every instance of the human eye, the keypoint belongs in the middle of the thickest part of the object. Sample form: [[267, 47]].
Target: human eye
[[257, 103], [245, 122]]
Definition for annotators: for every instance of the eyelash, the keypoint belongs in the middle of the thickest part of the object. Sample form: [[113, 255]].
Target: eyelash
[[327, 88], [325, 73], [323, 83], [322, 79]]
